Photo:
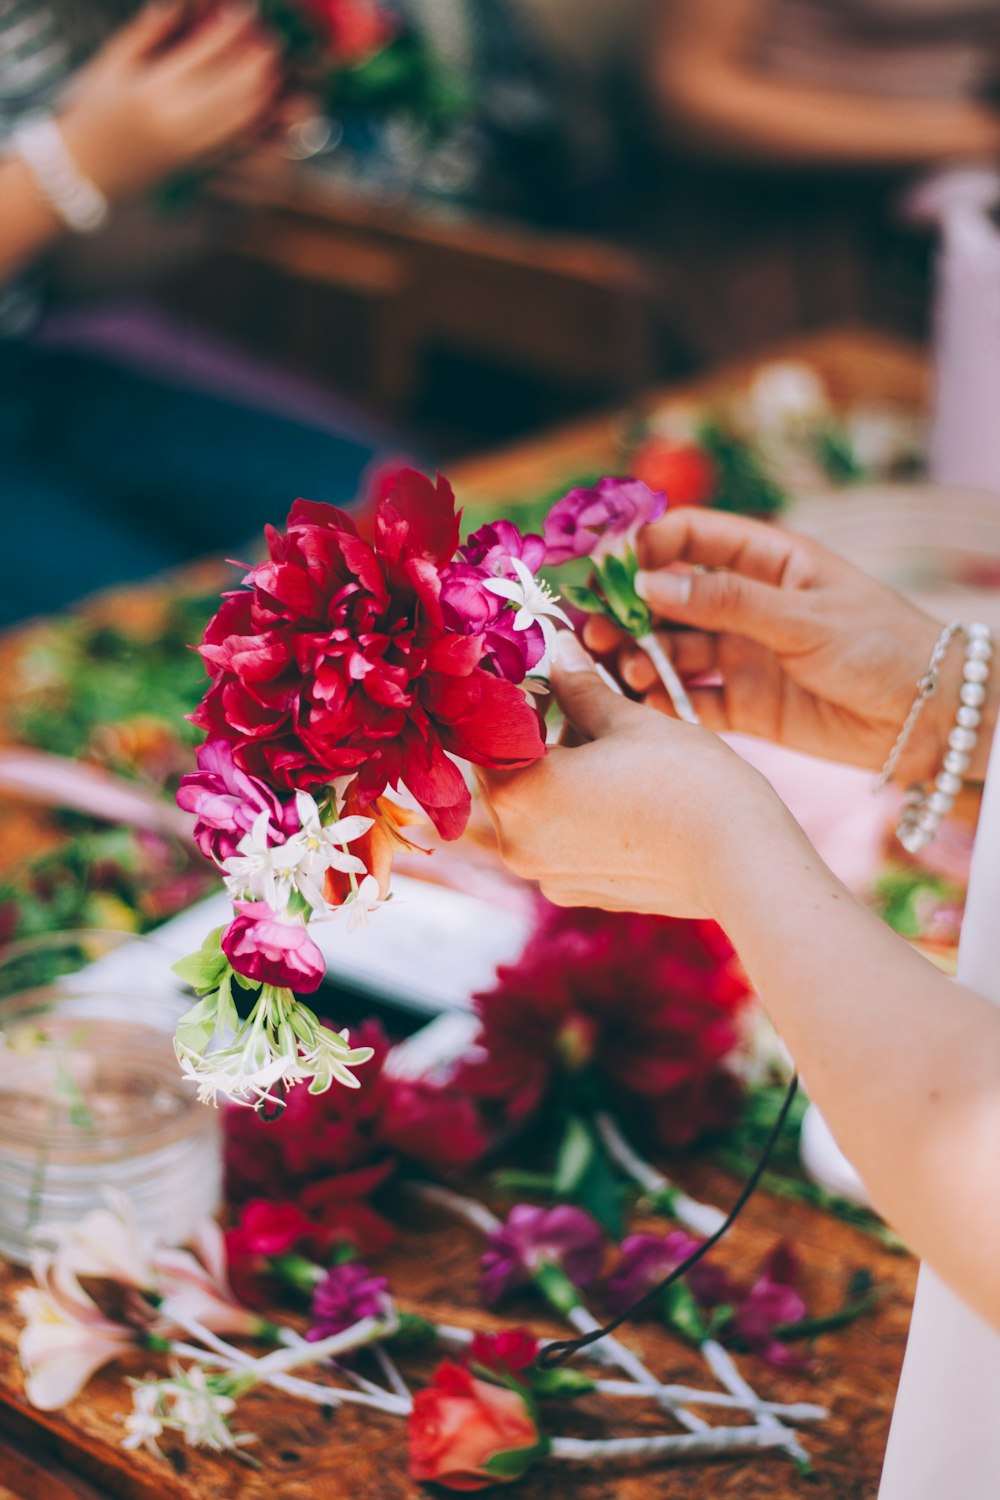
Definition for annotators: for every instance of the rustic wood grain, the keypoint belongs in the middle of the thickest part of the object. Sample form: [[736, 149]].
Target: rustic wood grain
[[307, 1455]]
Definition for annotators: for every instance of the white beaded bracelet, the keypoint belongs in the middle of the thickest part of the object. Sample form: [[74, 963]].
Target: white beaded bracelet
[[924, 810], [79, 202]]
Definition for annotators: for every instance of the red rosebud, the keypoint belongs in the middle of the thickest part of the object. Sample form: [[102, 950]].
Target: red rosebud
[[508, 1352]]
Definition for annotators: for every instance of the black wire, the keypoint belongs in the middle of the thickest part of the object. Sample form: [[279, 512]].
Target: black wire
[[558, 1353]]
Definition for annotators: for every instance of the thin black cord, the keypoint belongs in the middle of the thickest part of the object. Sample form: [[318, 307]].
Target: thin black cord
[[558, 1353]]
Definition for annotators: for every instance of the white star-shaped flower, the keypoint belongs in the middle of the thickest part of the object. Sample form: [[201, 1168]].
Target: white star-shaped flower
[[534, 601], [262, 870], [323, 848]]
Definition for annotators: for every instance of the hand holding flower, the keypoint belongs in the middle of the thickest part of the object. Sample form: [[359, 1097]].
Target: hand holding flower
[[638, 818]]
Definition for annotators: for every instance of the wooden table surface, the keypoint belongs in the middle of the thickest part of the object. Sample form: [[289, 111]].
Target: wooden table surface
[[308, 1456]]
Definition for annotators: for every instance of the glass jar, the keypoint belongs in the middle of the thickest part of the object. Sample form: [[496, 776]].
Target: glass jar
[[92, 1097]]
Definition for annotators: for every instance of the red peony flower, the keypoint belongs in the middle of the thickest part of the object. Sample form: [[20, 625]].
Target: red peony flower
[[329, 1154], [337, 658], [683, 471], [459, 1424], [649, 1004]]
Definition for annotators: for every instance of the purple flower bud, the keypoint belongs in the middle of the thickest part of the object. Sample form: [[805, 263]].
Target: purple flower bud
[[346, 1294], [492, 547], [645, 1260], [563, 1236], [594, 522]]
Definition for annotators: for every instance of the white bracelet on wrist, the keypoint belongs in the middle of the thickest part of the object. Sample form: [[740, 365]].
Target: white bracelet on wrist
[[924, 809], [79, 202]]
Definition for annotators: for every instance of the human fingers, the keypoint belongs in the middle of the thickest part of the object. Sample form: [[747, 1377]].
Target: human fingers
[[145, 32], [590, 705], [693, 653], [725, 601], [214, 42], [716, 539], [602, 635]]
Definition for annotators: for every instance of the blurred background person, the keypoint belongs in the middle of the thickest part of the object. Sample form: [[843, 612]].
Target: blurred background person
[[130, 469], [790, 125]]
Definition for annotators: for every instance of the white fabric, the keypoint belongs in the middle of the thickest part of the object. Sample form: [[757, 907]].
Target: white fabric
[[965, 436], [945, 1437]]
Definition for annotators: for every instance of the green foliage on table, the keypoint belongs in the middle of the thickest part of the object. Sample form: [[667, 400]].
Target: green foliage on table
[[80, 675], [743, 484]]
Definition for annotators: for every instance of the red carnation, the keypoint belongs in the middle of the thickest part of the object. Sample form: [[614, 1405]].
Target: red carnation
[[337, 659], [649, 1004], [330, 1153]]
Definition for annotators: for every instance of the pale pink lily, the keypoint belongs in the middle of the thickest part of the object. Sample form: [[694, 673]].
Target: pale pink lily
[[106, 1244], [194, 1285], [66, 1339]]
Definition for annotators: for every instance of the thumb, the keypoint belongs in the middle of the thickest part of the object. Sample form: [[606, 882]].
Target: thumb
[[724, 601], [589, 704]]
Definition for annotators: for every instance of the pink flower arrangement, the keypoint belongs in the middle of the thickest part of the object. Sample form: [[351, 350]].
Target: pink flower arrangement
[[346, 669]]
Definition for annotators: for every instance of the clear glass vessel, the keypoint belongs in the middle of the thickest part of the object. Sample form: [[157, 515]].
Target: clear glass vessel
[[92, 1097]]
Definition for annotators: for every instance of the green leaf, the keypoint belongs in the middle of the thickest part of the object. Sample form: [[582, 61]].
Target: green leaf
[[617, 578], [556, 1287], [601, 1193], [561, 1383], [203, 970], [583, 598], [514, 1462], [682, 1314], [574, 1157]]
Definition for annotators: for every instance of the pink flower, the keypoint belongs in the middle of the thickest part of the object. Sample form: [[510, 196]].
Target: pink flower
[[194, 1284], [262, 947], [772, 1302], [757, 1309], [509, 1352], [67, 1338], [469, 608], [594, 522], [347, 1293], [225, 801], [645, 1260], [492, 547], [459, 1425], [563, 1236]]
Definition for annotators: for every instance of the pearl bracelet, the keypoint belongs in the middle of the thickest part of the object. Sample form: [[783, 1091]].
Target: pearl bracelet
[[924, 810], [79, 202]]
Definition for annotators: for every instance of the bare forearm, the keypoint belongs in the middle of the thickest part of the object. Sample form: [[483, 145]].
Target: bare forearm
[[736, 114], [28, 224], [905, 1064]]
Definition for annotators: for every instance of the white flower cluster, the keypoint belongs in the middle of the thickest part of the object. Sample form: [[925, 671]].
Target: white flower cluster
[[268, 870], [195, 1404]]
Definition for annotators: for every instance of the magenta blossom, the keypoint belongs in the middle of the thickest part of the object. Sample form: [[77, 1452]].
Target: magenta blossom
[[226, 800], [645, 1260], [772, 1302], [532, 1238], [594, 522], [757, 1309], [492, 547], [346, 1294], [469, 608], [261, 946]]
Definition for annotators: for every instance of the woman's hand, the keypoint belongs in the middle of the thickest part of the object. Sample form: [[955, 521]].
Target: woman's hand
[[162, 96], [641, 817], [805, 649]]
